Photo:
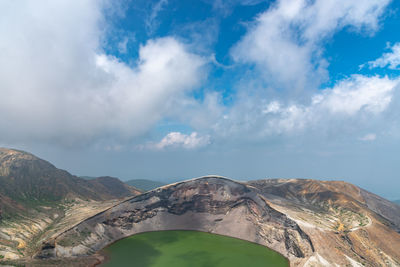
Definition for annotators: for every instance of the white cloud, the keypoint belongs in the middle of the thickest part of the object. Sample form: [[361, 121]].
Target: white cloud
[[358, 98], [368, 137], [177, 139], [359, 93], [391, 59], [57, 84], [286, 40]]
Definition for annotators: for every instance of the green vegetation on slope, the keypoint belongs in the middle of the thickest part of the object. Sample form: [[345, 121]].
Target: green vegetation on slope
[[190, 248], [144, 185]]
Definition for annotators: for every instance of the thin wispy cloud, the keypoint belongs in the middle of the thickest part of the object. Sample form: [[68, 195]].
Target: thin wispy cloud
[[152, 22], [368, 137]]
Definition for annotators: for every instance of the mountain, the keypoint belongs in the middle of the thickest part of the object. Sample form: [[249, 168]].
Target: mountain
[[144, 185], [397, 201], [327, 194], [112, 187], [312, 223], [26, 181], [37, 200]]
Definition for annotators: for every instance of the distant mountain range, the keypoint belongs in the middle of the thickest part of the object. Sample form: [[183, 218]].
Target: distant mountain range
[[145, 185], [142, 184]]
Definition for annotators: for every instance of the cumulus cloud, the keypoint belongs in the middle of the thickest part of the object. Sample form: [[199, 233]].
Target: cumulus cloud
[[391, 59], [56, 82], [180, 140], [286, 40], [358, 97], [359, 93]]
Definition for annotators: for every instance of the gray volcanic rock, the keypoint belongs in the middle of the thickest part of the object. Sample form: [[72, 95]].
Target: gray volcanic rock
[[209, 204]]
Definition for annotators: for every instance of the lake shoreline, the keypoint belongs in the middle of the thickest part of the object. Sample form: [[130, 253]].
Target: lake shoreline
[[106, 257]]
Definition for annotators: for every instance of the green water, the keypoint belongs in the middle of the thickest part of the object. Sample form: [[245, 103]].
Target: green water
[[189, 248]]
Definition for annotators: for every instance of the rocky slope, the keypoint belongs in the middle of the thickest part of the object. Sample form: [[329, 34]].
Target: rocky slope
[[347, 225], [37, 200], [310, 222]]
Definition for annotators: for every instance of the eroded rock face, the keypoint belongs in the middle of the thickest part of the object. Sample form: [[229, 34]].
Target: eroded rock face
[[348, 226], [209, 204]]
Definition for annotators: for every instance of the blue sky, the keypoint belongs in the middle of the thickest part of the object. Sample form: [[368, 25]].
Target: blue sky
[[171, 89]]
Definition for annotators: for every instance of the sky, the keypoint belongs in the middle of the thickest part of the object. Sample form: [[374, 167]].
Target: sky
[[173, 89]]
